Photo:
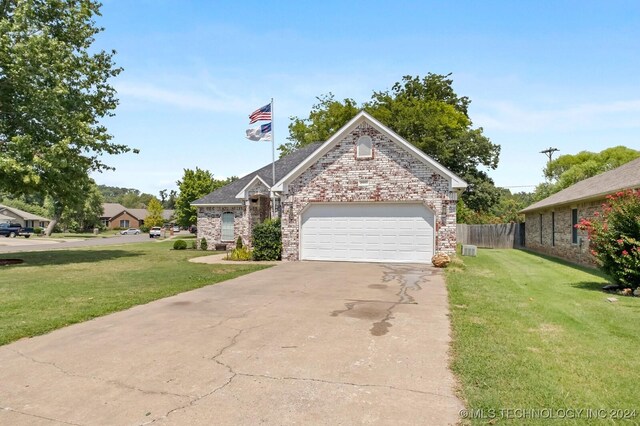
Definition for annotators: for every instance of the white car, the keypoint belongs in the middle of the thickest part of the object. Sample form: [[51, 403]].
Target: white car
[[176, 229], [130, 231], [154, 232]]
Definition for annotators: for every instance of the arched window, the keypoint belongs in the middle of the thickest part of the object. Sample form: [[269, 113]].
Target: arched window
[[365, 147], [227, 226]]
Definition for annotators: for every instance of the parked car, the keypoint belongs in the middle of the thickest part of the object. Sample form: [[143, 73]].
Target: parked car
[[11, 230], [130, 231], [193, 229], [154, 232], [176, 228]]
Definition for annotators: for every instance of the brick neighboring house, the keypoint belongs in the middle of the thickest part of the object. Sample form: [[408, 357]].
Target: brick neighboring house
[[26, 219], [365, 194], [115, 215], [550, 223]]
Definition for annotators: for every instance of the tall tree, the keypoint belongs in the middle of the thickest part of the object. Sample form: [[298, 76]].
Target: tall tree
[[155, 213], [54, 90], [426, 112], [194, 184], [86, 214]]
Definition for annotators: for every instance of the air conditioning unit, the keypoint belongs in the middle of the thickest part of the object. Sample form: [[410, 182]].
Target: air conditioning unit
[[469, 250]]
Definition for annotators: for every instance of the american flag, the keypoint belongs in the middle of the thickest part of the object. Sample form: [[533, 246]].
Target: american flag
[[263, 113]]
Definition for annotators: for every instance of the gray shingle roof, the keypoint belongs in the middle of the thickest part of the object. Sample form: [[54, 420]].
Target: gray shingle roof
[[623, 177], [21, 213], [227, 194]]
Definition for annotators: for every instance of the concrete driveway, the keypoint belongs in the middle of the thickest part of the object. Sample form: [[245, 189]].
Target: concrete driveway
[[299, 343]]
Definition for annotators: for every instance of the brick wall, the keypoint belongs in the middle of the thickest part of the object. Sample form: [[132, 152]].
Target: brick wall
[[210, 224], [563, 247], [392, 174]]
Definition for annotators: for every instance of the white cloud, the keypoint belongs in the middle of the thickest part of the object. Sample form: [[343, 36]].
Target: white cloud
[[184, 98], [510, 116]]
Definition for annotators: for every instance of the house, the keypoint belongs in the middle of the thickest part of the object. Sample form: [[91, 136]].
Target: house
[[550, 223], [26, 219], [366, 194], [115, 215]]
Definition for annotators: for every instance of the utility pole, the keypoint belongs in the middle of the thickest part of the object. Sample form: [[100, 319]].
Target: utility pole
[[549, 152]]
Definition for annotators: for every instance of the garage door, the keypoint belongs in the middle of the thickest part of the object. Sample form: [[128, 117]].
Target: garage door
[[367, 233]]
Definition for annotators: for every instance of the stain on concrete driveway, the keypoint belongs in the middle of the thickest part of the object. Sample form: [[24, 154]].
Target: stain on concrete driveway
[[300, 343]]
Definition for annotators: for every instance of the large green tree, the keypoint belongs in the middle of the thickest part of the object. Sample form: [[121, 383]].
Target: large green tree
[[86, 213], [54, 91], [569, 169], [426, 112], [193, 185]]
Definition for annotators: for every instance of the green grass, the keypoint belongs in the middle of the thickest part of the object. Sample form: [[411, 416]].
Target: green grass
[[531, 332], [56, 288]]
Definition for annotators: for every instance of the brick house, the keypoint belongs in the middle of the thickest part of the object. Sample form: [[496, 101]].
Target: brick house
[[115, 215], [550, 223], [365, 194]]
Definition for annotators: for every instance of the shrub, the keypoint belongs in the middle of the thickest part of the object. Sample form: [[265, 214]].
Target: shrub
[[267, 240], [194, 245], [179, 245], [203, 244], [37, 230], [239, 242], [242, 253], [614, 236], [144, 228]]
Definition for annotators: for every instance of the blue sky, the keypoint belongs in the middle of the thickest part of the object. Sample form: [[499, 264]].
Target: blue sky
[[539, 73]]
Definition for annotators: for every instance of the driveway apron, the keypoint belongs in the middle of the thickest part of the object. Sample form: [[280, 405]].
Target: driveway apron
[[299, 343]]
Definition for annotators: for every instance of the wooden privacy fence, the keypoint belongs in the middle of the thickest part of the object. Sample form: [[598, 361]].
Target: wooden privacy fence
[[501, 235]]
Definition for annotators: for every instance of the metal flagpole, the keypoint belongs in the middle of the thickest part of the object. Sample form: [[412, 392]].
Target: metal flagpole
[[273, 162]]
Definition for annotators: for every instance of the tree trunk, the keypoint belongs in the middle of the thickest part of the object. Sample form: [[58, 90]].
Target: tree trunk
[[54, 220]]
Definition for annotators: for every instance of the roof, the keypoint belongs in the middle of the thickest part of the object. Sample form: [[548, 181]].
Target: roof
[[3, 217], [623, 177], [24, 215], [227, 194], [363, 116], [111, 209]]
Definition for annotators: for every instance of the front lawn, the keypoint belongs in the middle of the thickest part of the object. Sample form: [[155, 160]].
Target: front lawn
[[53, 289], [532, 333]]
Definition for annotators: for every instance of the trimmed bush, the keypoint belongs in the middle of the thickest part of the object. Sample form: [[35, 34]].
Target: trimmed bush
[[144, 228], [203, 244], [614, 237], [240, 254], [37, 230], [179, 245], [267, 240], [239, 242]]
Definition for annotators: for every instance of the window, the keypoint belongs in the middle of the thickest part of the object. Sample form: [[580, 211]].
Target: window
[[553, 228], [124, 223], [365, 147], [227, 226], [541, 229], [574, 222]]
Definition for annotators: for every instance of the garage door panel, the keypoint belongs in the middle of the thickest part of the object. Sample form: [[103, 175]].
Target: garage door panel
[[367, 232]]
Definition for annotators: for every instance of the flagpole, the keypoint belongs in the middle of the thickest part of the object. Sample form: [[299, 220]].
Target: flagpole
[[273, 162]]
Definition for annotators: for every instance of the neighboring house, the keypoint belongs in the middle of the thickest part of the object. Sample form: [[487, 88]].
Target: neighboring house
[[116, 215], [365, 194], [25, 219], [550, 223]]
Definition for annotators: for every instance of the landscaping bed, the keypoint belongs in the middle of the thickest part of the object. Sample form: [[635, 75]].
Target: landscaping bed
[[532, 333]]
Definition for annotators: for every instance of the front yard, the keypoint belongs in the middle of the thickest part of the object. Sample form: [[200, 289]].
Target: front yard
[[56, 288], [532, 333]]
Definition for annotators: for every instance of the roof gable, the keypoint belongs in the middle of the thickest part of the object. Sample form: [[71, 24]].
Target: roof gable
[[623, 177], [23, 214], [226, 196], [362, 116]]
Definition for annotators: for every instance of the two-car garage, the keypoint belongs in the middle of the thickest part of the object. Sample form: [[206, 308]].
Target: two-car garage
[[367, 232]]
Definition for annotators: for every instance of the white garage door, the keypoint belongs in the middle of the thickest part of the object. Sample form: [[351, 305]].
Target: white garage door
[[367, 232]]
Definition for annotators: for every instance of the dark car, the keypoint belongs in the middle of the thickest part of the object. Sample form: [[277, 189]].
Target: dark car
[[193, 229]]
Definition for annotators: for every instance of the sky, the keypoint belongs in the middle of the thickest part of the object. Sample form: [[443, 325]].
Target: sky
[[540, 74]]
